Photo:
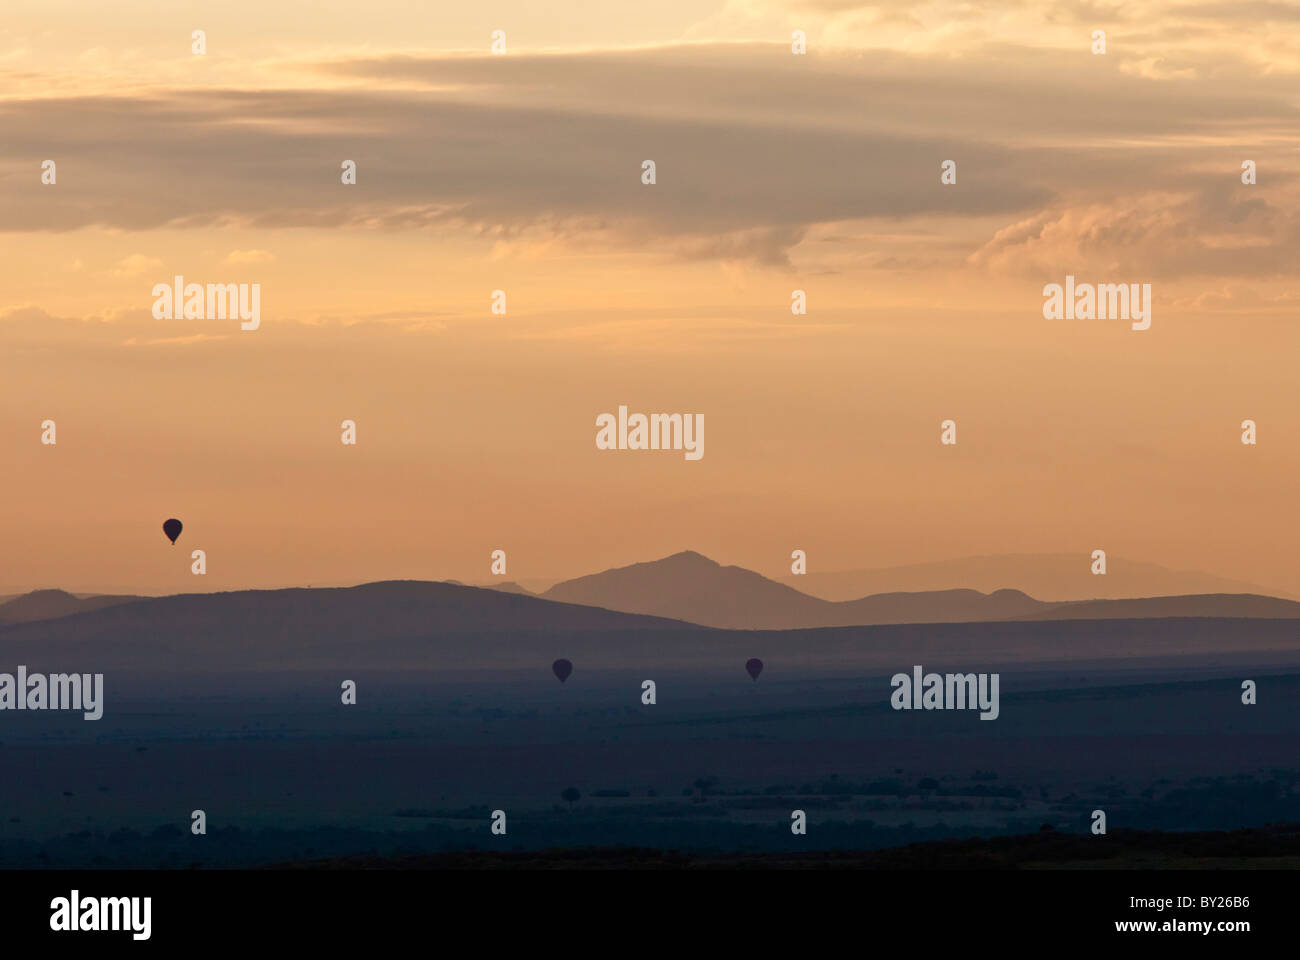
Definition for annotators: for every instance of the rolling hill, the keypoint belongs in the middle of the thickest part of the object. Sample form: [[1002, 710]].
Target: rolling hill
[[1055, 577], [50, 604], [400, 623], [689, 586], [401, 627]]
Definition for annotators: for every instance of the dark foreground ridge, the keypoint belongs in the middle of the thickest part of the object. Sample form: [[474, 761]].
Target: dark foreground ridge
[[1272, 847]]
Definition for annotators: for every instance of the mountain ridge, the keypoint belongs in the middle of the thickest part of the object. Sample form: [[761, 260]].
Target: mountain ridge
[[1051, 577], [689, 586], [685, 588], [52, 604], [396, 627]]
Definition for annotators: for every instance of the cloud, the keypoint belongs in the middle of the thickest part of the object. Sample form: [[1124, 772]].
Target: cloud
[[1237, 298], [246, 257], [172, 341], [137, 264], [427, 163], [1224, 230], [754, 149]]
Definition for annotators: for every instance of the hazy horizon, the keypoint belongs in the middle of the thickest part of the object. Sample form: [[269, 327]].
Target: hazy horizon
[[1126, 579]]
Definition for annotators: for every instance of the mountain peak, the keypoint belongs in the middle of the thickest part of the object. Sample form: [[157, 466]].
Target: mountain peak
[[688, 558]]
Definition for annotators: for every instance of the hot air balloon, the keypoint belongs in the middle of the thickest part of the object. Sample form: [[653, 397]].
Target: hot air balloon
[[754, 667], [562, 669], [172, 528]]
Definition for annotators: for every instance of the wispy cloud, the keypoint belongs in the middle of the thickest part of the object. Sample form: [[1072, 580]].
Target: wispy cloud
[[172, 341], [135, 265], [246, 257]]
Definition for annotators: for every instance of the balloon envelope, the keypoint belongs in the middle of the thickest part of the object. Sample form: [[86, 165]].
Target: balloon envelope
[[172, 528], [562, 669], [754, 667]]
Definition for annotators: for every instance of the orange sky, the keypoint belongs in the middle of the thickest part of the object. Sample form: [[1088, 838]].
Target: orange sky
[[522, 172]]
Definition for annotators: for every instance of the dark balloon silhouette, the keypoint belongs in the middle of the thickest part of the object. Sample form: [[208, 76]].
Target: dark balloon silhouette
[[562, 669], [172, 528], [754, 667]]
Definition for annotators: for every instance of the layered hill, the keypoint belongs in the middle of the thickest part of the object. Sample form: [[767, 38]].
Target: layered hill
[[51, 604], [689, 586], [403, 627], [399, 623], [1055, 577], [1234, 605]]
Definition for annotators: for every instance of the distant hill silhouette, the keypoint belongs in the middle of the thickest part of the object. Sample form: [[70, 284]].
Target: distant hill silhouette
[[1045, 576], [392, 623], [49, 604], [685, 588], [689, 586], [508, 586], [1203, 605], [412, 625]]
